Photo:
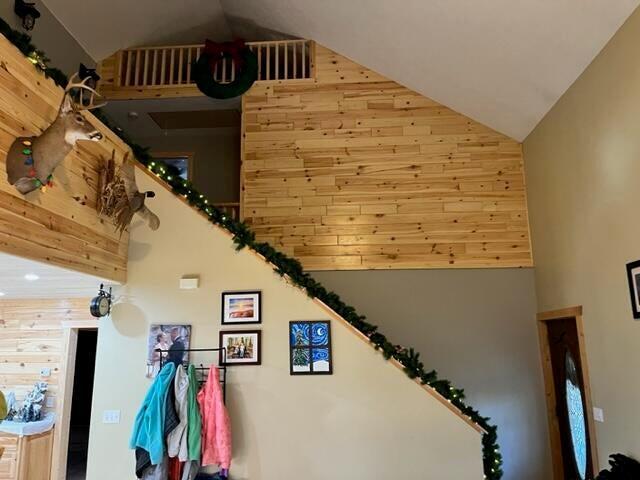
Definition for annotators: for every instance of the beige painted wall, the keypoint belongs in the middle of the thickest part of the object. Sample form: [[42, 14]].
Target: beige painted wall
[[365, 421], [216, 158], [582, 175], [475, 326]]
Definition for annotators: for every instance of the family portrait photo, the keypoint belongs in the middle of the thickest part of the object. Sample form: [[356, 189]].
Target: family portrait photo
[[242, 347], [173, 339]]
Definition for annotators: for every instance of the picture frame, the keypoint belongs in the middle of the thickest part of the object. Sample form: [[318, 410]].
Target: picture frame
[[310, 347], [242, 347], [633, 277], [167, 337], [241, 308]]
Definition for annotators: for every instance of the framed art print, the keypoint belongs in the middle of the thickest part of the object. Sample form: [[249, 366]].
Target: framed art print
[[241, 308], [633, 275], [242, 347], [310, 348]]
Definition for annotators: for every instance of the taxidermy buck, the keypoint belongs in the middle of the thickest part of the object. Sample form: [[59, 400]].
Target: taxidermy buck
[[32, 160]]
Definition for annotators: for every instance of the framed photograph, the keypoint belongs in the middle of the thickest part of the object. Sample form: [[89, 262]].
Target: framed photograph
[[242, 347], [174, 339], [241, 308], [633, 275], [310, 348]]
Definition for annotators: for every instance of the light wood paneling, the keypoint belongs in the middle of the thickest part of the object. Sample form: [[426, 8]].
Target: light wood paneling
[[354, 171], [60, 226], [32, 337]]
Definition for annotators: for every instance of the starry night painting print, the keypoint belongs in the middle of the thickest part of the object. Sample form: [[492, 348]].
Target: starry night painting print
[[310, 348]]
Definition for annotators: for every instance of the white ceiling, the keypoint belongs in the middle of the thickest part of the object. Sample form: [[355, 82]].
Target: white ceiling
[[54, 282], [502, 62], [104, 27]]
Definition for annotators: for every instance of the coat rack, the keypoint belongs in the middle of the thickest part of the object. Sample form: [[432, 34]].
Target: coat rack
[[202, 372]]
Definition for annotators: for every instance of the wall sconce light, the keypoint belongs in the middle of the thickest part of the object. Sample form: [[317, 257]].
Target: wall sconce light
[[27, 12]]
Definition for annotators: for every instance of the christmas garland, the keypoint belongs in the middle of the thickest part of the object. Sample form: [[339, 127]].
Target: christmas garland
[[244, 59], [22, 41], [243, 237]]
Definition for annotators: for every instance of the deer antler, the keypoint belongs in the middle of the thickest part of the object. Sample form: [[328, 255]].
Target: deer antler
[[82, 85]]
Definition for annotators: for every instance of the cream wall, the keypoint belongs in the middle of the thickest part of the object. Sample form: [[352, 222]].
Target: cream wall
[[456, 317], [583, 167], [216, 169], [365, 421]]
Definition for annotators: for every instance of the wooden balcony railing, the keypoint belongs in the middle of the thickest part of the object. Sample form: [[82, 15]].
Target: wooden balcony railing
[[230, 209], [147, 72]]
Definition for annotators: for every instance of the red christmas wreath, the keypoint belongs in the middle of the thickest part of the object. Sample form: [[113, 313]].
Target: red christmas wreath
[[246, 66]]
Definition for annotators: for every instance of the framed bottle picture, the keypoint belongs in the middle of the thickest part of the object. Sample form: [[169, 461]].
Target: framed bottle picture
[[242, 347]]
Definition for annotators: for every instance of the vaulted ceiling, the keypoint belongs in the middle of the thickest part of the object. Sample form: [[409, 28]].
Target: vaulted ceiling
[[502, 62]]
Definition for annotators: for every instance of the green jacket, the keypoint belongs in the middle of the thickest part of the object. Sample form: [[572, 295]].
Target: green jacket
[[194, 426]]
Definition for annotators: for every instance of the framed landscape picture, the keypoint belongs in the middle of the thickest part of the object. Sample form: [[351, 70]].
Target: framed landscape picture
[[310, 348], [242, 347], [633, 275], [241, 308]]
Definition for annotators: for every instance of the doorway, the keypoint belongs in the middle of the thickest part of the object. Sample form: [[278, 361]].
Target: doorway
[[568, 394], [81, 399]]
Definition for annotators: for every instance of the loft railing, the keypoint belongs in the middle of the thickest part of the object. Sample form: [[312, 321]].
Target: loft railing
[[171, 66], [232, 209]]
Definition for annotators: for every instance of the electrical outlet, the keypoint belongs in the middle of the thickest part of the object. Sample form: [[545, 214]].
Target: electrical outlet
[[598, 414], [111, 416], [50, 402], [45, 372]]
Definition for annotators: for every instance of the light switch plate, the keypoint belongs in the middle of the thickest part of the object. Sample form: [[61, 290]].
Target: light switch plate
[[111, 416], [598, 414]]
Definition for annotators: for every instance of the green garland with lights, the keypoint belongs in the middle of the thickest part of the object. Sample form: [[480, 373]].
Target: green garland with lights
[[22, 41], [243, 237]]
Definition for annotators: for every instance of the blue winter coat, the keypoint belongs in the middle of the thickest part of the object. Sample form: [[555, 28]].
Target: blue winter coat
[[148, 428]]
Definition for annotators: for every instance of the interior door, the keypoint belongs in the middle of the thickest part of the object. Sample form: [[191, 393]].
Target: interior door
[[571, 405]]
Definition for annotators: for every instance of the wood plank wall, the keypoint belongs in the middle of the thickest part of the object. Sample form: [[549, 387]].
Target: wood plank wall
[[60, 226], [353, 171], [32, 338]]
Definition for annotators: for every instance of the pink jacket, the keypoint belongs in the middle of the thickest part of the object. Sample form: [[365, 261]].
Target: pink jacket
[[216, 427]]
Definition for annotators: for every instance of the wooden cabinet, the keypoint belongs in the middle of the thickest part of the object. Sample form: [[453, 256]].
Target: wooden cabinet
[[26, 458]]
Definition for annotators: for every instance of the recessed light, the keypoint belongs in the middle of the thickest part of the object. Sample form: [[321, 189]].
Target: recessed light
[[31, 277], [2, 294]]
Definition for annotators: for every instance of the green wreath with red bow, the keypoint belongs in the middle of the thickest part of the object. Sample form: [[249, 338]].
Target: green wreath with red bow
[[246, 67]]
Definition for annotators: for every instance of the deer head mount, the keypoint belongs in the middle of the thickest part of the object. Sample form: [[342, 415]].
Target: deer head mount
[[32, 160]]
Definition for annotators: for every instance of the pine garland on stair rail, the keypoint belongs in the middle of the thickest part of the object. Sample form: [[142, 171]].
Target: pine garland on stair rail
[[243, 237]]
